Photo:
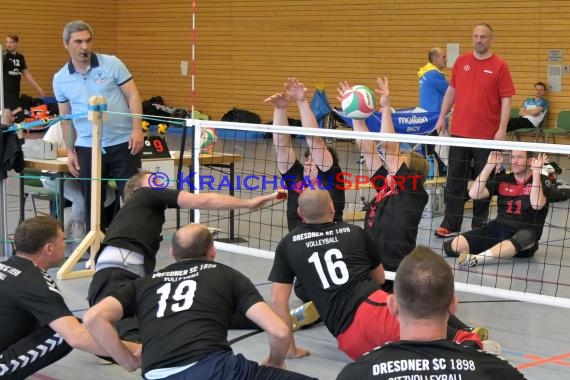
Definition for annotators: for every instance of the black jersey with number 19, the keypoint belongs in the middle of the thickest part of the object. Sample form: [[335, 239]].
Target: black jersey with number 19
[[184, 310]]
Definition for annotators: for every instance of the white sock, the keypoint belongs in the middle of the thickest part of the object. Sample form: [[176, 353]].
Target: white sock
[[486, 258]]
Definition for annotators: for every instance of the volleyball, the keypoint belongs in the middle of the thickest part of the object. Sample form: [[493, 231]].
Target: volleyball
[[208, 137], [358, 102]]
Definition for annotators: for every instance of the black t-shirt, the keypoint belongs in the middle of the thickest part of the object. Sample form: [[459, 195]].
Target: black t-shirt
[[296, 183], [29, 300], [393, 217], [185, 310], [138, 224], [513, 201], [333, 262], [428, 360], [14, 64]]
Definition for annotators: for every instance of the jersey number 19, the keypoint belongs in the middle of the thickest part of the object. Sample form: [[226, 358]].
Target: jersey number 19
[[183, 294]]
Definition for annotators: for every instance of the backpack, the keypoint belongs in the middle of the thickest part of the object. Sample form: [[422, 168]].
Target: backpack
[[238, 115]]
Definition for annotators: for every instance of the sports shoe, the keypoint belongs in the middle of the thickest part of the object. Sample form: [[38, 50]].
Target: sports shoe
[[467, 260], [492, 347], [481, 331], [304, 315], [443, 232]]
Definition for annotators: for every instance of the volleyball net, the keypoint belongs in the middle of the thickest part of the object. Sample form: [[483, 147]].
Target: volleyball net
[[542, 278]]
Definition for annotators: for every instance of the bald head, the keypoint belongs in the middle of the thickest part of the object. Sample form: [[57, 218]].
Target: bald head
[[316, 206], [193, 241], [438, 57]]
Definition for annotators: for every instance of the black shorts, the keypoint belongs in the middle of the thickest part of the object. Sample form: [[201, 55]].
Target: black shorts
[[11, 101], [106, 281], [491, 234]]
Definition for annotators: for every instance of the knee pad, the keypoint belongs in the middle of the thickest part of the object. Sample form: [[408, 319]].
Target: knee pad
[[523, 240], [449, 252]]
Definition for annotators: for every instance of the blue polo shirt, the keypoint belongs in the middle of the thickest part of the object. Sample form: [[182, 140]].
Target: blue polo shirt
[[105, 76]]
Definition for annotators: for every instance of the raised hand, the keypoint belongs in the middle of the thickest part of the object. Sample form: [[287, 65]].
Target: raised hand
[[495, 158], [295, 90], [384, 91], [536, 163], [342, 87], [278, 100]]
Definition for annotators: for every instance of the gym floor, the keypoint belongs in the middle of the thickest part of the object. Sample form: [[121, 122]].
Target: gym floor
[[533, 337]]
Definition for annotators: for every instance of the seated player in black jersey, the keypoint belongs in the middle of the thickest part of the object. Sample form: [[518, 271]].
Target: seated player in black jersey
[[320, 164], [522, 202], [132, 241], [422, 301], [393, 216], [341, 271], [38, 328], [320, 169], [185, 311]]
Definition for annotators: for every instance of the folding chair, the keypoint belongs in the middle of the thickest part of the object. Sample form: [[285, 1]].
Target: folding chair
[[536, 132], [35, 190], [562, 126]]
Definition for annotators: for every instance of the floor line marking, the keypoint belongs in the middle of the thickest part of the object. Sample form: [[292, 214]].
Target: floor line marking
[[546, 360]]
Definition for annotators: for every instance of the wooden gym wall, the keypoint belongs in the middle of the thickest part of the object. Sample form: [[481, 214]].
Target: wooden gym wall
[[245, 49], [39, 24]]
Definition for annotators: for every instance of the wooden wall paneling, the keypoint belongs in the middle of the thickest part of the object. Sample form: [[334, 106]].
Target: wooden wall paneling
[[39, 24], [246, 49]]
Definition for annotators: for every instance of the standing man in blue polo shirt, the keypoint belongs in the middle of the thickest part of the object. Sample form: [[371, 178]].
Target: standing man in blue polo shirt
[[87, 74]]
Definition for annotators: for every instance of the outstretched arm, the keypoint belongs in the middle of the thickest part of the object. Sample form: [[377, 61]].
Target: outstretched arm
[[319, 153], [282, 141], [367, 147], [214, 201]]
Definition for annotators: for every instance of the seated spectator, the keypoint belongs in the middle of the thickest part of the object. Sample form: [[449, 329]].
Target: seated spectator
[[75, 222], [532, 112], [522, 203], [422, 301]]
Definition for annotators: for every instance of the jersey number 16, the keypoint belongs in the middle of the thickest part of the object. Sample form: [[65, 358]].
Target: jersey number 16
[[337, 270]]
